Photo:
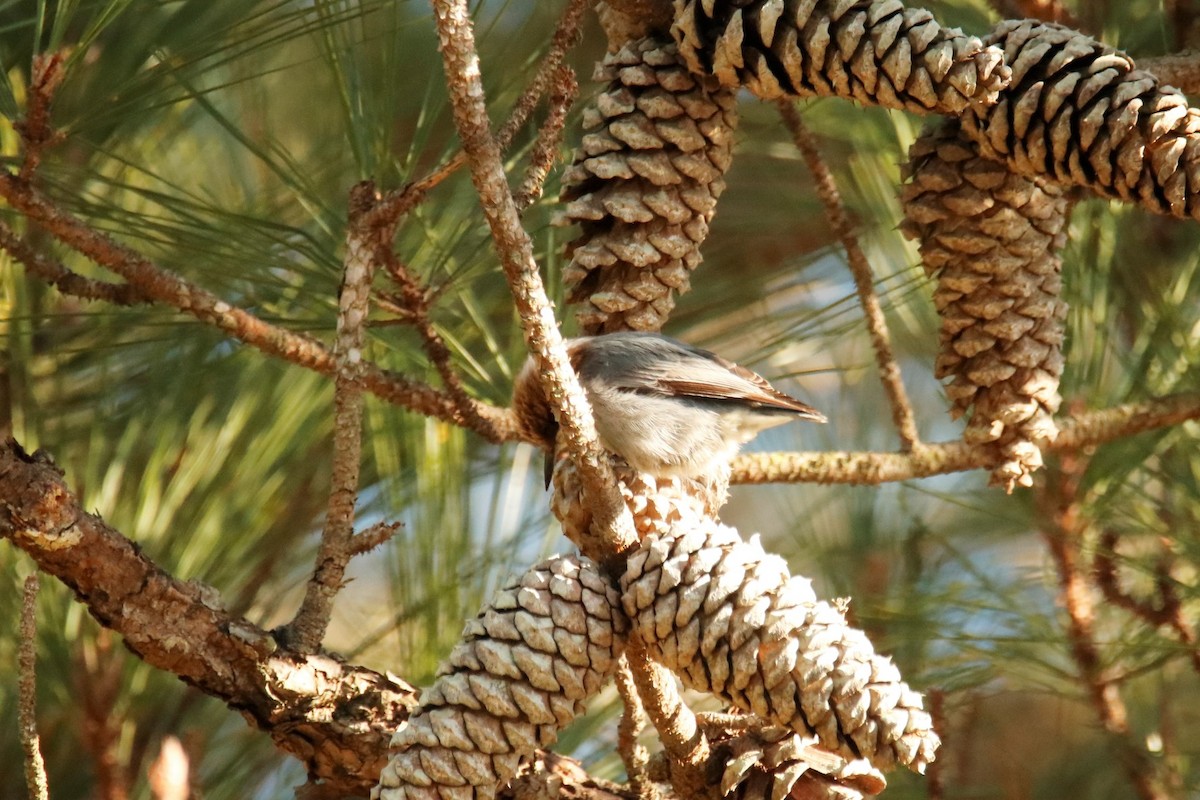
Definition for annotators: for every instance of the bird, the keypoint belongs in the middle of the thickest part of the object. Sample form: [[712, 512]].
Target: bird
[[668, 408]]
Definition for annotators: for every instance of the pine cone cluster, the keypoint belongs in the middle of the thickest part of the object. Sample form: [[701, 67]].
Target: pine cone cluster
[[644, 186], [728, 618], [1077, 111], [521, 673], [993, 239], [879, 53]]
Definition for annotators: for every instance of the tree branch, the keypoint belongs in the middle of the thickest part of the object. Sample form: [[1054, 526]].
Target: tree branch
[[867, 469], [613, 526], [163, 286], [35, 766], [336, 718], [306, 631], [860, 268]]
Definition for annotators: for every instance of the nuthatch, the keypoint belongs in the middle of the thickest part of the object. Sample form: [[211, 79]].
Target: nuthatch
[[669, 409]]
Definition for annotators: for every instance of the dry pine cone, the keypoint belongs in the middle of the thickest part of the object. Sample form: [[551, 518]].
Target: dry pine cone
[[993, 239], [877, 53], [727, 618], [644, 186], [521, 673]]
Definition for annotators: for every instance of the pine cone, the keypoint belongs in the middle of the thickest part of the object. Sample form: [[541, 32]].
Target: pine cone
[[727, 618], [993, 239], [877, 53], [522, 671], [644, 186], [657, 504], [1079, 112], [773, 762]]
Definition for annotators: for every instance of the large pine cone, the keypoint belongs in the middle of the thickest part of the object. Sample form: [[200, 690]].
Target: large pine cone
[[1078, 111], [994, 240], [644, 186], [521, 673], [877, 53], [729, 619]]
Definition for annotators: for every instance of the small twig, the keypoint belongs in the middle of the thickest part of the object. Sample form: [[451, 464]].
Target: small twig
[[862, 469], [545, 148], [307, 629], [1169, 610], [46, 76], [163, 286], [63, 279], [860, 268], [35, 766], [613, 529], [378, 534], [633, 722], [413, 303], [1063, 529], [682, 739], [566, 34]]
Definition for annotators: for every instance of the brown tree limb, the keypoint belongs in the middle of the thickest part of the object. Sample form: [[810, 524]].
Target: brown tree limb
[[613, 527], [1181, 70], [162, 286], [335, 717], [1078, 431], [63, 279], [860, 268], [35, 765], [306, 631]]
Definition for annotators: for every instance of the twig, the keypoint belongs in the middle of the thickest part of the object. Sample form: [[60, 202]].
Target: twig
[[1076, 432], [307, 629], [378, 534], [163, 286], [1062, 529], [1169, 610], [413, 301], [682, 739], [633, 722], [935, 776], [47, 75], [613, 528], [63, 279], [98, 687], [860, 268], [545, 148], [35, 766], [566, 34]]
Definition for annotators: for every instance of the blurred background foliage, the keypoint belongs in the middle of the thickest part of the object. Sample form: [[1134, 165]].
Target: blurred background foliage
[[221, 137]]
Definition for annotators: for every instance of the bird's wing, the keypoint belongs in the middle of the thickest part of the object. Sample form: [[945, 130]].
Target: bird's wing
[[709, 376]]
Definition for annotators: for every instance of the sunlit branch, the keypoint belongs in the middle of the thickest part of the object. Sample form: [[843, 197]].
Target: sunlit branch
[[860, 268], [869, 468], [613, 526], [161, 285]]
